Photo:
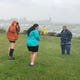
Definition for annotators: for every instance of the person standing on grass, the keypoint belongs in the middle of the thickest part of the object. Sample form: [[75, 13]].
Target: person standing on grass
[[44, 30], [32, 42], [66, 37], [12, 35]]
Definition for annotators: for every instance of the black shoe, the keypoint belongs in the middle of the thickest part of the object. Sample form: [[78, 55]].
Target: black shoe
[[11, 58]]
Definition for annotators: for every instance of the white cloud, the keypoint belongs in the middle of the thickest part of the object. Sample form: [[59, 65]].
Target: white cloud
[[58, 3], [60, 10]]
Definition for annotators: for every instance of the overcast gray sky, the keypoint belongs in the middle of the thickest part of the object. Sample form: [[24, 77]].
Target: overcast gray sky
[[59, 10]]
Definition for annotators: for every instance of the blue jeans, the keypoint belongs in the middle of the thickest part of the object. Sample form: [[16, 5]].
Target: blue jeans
[[65, 47]]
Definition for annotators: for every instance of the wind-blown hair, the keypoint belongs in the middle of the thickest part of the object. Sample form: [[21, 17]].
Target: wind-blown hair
[[32, 28]]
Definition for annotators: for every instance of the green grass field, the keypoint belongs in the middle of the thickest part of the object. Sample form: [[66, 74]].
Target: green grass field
[[51, 65]]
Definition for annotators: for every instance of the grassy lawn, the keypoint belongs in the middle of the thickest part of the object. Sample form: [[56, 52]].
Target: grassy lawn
[[51, 65]]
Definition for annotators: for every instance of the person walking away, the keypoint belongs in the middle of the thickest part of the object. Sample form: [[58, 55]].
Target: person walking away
[[12, 35], [32, 42], [66, 37]]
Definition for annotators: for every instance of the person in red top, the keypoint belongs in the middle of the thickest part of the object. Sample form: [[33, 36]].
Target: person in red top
[[12, 35]]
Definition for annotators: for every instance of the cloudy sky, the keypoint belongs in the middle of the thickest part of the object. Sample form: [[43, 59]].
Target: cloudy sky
[[60, 10]]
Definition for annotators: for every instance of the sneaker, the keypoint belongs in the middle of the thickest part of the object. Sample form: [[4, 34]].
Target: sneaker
[[31, 65]]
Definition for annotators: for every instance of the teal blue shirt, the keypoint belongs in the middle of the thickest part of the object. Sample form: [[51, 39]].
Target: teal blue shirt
[[33, 38]]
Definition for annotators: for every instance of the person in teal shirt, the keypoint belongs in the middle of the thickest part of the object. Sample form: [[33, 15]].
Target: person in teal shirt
[[32, 42]]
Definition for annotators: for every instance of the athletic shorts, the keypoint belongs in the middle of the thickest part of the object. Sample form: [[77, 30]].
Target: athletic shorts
[[12, 41], [33, 48]]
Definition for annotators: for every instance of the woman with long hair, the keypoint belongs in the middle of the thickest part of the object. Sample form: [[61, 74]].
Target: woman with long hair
[[32, 42]]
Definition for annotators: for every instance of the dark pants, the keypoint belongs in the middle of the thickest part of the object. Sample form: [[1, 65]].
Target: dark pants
[[66, 47]]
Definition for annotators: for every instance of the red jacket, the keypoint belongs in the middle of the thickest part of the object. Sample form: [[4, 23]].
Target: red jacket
[[13, 31]]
